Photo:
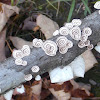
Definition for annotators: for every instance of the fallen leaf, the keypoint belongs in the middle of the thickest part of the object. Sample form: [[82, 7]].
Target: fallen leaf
[[19, 42]]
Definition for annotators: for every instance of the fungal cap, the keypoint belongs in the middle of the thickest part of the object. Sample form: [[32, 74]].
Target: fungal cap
[[81, 44], [49, 47], [56, 33], [18, 61], [69, 25], [26, 50], [87, 31], [97, 5], [17, 54], [64, 31], [24, 63], [35, 69], [75, 33], [63, 50], [38, 78], [37, 42], [28, 77], [76, 22], [90, 47]]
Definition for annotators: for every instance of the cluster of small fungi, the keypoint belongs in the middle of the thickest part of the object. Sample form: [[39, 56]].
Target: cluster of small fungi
[[62, 43]]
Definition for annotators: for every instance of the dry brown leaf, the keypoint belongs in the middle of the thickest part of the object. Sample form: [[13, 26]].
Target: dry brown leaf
[[47, 26], [19, 42], [5, 13]]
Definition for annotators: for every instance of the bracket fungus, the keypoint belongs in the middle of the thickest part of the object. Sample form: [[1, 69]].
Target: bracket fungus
[[26, 50], [17, 54], [49, 47], [37, 42], [35, 69], [75, 33], [64, 44], [28, 77], [64, 31], [87, 31], [76, 22]]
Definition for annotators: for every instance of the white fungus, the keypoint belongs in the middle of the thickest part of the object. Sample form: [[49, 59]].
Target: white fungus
[[49, 47], [87, 31], [17, 54], [18, 61], [97, 5], [76, 22], [37, 42], [24, 63], [90, 47], [8, 95], [75, 33], [35, 69], [56, 33], [63, 49], [28, 77], [20, 89], [81, 44], [26, 50], [38, 78], [64, 31], [69, 25]]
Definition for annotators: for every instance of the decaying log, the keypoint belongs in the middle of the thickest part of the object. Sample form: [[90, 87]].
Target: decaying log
[[12, 75]]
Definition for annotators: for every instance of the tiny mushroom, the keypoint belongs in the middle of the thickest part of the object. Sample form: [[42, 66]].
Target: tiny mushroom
[[35, 69], [49, 47], [87, 31], [37, 42], [97, 5], [28, 77], [26, 50], [56, 33], [18, 61], [64, 31], [69, 25], [75, 33], [76, 22], [17, 54], [90, 47]]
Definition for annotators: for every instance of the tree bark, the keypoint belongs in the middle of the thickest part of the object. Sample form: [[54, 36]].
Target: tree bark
[[12, 75]]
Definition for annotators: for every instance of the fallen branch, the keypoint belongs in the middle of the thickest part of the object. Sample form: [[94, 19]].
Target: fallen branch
[[12, 75]]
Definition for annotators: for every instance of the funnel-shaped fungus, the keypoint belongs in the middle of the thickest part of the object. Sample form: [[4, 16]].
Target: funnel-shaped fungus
[[75, 33], [64, 31], [50, 47], [24, 63], [81, 44], [84, 38], [28, 77], [37, 42], [63, 49], [76, 22], [90, 47], [35, 69]]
